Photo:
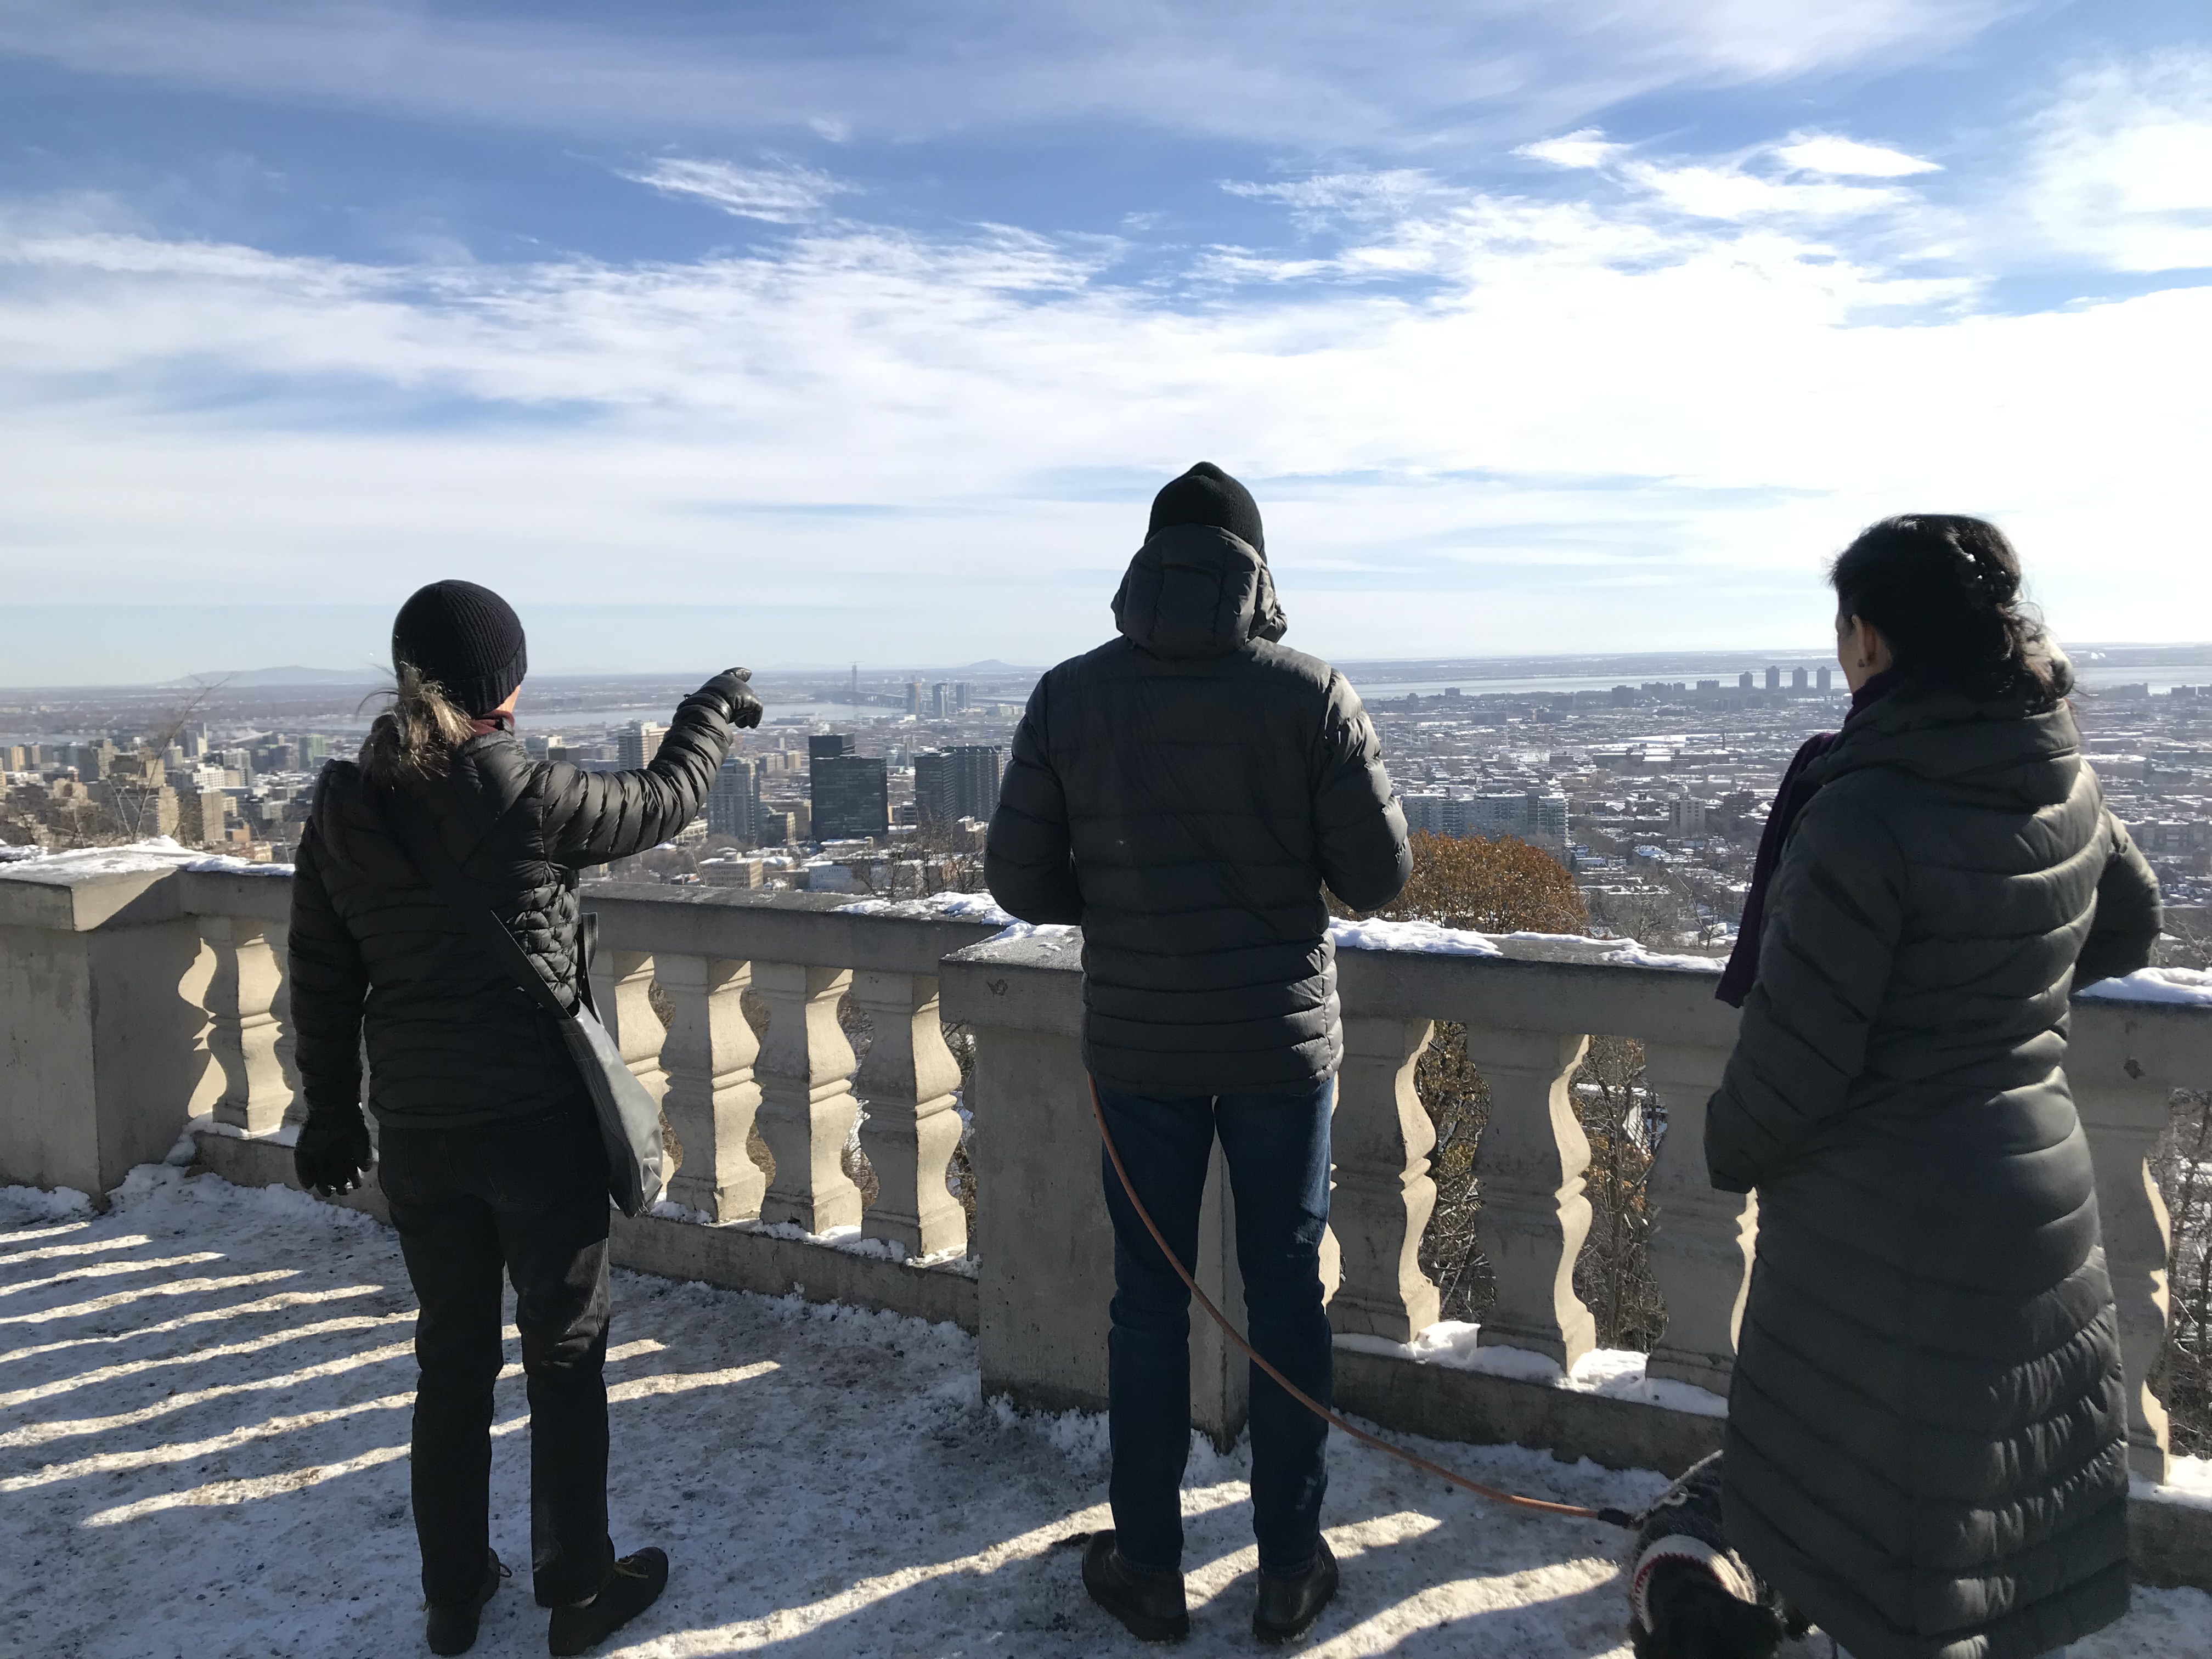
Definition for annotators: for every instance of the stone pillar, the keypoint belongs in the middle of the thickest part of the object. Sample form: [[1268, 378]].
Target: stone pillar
[[622, 992], [243, 1032], [103, 981], [2123, 1118], [1528, 1170], [1701, 1240], [909, 1084], [712, 1097], [806, 1073], [1045, 1247], [1381, 1138], [279, 934]]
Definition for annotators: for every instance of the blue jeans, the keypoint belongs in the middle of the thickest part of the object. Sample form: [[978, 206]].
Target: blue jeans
[[1277, 1148]]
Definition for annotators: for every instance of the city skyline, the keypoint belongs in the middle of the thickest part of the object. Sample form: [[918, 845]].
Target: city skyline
[[1527, 331]]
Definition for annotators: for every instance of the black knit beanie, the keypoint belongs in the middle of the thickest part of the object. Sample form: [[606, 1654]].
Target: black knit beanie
[[1206, 494], [465, 637]]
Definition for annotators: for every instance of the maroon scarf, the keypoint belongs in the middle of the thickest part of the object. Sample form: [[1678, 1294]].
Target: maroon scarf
[[1742, 969]]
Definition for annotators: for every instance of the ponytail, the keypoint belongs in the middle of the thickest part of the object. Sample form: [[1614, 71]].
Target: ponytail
[[413, 741], [1943, 590]]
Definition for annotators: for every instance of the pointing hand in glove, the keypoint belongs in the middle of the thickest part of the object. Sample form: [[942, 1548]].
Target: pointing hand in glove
[[731, 686]]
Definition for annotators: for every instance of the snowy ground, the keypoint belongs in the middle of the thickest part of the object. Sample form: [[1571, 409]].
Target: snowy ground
[[202, 1418]]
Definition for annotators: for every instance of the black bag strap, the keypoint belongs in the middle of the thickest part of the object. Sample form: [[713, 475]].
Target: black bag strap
[[432, 862]]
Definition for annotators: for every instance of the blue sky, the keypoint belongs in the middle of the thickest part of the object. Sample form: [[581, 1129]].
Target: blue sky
[[868, 330]]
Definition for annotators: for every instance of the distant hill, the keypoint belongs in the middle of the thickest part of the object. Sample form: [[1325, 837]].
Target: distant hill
[[990, 665], [257, 677]]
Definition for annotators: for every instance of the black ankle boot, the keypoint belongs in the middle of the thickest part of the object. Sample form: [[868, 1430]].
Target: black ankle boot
[[1148, 1600], [1290, 1603], [635, 1585], [453, 1628]]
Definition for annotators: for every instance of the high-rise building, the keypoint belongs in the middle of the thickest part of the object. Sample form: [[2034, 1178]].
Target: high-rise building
[[960, 689], [1826, 679], [829, 746], [1773, 678], [914, 698], [955, 783], [1743, 681], [1686, 819], [851, 797], [1531, 812], [1797, 679], [733, 802], [939, 701], [636, 745]]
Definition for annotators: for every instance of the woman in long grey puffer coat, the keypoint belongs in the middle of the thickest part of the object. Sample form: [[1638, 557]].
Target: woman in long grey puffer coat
[[1926, 1440]]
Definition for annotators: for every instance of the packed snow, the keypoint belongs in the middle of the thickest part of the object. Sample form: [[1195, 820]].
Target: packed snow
[[962, 906], [2184, 985], [1426, 937], [223, 865], [1616, 1373], [204, 1410]]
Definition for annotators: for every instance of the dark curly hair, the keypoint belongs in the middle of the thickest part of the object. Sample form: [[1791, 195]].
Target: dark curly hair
[[1943, 590]]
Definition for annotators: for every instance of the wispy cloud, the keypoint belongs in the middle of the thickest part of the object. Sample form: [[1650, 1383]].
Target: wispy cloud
[[779, 192], [1576, 361], [1848, 158], [1585, 148], [2121, 168], [1313, 74]]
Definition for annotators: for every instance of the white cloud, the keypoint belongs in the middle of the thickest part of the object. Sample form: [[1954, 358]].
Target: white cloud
[[1727, 192], [1587, 147], [1314, 74], [1848, 158], [1699, 403], [782, 193], [2121, 169]]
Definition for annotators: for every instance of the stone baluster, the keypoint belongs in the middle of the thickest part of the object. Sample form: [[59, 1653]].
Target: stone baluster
[[711, 1098], [908, 1083], [242, 1031], [1382, 1137], [806, 1110], [622, 992], [2123, 1119], [1701, 1241], [280, 946], [1528, 1170]]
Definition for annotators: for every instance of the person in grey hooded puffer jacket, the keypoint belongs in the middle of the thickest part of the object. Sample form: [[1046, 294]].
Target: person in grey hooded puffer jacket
[[1926, 1445]]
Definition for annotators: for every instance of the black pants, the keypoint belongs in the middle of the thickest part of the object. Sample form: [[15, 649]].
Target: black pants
[[531, 1198]]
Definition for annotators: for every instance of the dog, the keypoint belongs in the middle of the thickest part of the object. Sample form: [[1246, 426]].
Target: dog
[[1689, 1595]]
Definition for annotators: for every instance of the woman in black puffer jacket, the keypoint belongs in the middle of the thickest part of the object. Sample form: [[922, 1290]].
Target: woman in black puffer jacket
[[490, 1153], [1926, 1439]]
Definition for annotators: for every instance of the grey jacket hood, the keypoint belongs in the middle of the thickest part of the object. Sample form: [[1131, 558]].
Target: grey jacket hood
[[2000, 749], [1194, 591]]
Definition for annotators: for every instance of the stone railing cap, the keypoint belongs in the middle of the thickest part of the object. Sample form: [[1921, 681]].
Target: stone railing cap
[[93, 887]]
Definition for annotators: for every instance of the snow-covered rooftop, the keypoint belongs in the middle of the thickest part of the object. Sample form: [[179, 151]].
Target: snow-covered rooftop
[[204, 1411]]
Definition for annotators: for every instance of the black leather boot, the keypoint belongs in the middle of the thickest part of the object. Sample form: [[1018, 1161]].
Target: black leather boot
[[1148, 1600], [453, 1628], [1289, 1603], [635, 1585]]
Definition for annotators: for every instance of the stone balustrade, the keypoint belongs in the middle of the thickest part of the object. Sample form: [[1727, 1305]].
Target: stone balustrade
[[138, 990]]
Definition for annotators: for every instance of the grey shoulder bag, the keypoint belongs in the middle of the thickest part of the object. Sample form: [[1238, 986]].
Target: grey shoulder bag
[[629, 1117]]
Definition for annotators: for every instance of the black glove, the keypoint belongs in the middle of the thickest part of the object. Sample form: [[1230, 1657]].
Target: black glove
[[730, 686], [332, 1152]]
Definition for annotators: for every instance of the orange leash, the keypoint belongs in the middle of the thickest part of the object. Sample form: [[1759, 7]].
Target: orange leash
[[1543, 1506]]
